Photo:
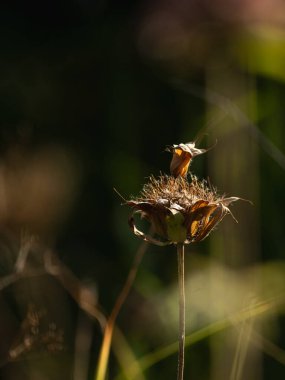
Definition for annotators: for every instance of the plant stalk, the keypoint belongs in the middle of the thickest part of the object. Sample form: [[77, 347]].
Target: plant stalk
[[110, 325], [181, 282]]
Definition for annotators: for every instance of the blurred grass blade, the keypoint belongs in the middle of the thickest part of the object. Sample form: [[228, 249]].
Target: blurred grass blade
[[244, 338], [108, 333], [126, 357], [162, 353]]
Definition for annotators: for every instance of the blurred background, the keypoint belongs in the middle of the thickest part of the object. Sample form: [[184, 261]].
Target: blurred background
[[91, 92]]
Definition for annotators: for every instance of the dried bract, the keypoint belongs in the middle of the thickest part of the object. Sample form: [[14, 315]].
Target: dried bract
[[182, 155]]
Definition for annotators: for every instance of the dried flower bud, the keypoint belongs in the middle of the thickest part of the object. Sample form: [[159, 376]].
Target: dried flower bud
[[182, 155], [178, 211]]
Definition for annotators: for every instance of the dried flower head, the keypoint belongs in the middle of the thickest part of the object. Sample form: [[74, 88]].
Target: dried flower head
[[182, 155], [178, 211]]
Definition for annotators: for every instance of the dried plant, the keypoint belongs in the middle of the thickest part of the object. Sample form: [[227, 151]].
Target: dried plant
[[37, 334], [180, 212]]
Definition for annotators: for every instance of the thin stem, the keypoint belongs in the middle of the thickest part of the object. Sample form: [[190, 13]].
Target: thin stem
[[180, 256], [108, 334], [83, 296]]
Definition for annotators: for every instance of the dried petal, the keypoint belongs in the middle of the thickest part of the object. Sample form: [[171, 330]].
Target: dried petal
[[144, 236], [198, 218], [154, 213], [213, 216], [182, 155], [166, 222]]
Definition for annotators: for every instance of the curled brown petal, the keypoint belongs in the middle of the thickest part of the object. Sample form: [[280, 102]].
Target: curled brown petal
[[199, 222], [154, 213], [180, 163], [210, 223], [144, 236], [182, 155], [199, 204]]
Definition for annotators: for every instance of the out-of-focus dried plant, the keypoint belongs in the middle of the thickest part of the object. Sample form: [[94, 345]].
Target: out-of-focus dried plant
[[37, 334]]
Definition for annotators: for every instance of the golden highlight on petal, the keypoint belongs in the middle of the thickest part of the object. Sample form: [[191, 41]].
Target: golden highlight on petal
[[203, 219], [180, 163], [181, 159]]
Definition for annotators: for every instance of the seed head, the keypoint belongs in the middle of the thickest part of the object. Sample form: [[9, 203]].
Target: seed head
[[178, 211]]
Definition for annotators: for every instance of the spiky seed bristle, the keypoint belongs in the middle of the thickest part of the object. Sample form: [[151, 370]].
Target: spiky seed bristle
[[177, 190]]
